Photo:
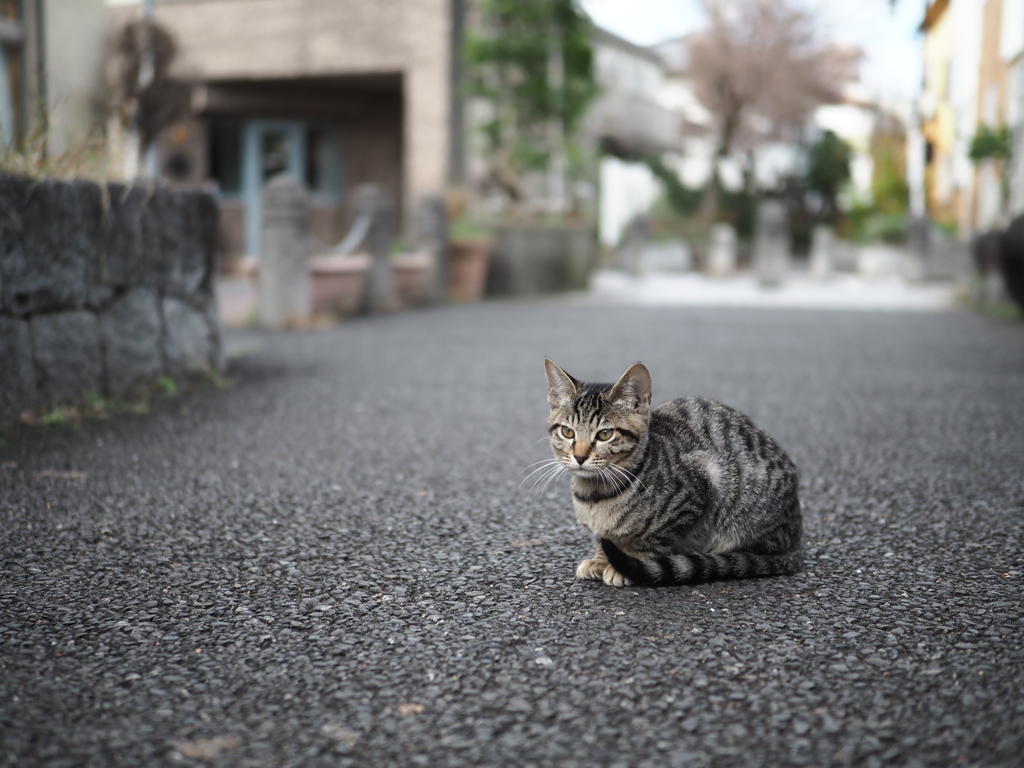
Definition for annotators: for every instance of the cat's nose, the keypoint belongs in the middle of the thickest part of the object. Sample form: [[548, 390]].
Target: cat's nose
[[580, 459]]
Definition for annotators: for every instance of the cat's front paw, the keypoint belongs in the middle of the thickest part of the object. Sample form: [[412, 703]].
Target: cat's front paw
[[614, 578], [592, 568]]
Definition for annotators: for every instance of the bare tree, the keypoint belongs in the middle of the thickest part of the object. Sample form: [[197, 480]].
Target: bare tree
[[760, 69]]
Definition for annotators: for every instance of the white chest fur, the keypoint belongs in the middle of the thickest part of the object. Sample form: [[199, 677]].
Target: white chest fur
[[602, 518]]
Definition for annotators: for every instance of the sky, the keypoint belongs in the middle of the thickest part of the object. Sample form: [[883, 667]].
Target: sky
[[888, 36]]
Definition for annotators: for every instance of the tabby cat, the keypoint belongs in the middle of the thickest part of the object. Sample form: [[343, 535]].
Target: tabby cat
[[687, 492]]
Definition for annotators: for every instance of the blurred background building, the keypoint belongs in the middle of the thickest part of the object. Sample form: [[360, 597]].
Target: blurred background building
[[336, 93], [971, 112], [52, 59], [342, 92]]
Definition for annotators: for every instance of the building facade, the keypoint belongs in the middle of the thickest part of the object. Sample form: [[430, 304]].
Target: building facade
[[974, 79], [52, 57], [633, 116], [335, 92]]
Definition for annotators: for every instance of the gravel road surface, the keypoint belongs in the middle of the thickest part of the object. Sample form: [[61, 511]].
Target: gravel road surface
[[333, 562]]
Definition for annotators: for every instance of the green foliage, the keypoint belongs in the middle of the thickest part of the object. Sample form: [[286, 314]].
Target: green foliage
[[889, 186], [684, 201], [828, 168], [991, 144], [136, 407], [216, 378], [870, 224], [167, 385], [56, 417], [739, 208], [535, 64], [466, 227]]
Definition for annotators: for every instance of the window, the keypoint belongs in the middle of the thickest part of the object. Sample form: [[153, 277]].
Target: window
[[11, 38]]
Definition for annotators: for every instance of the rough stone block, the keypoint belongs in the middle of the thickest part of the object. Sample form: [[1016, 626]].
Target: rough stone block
[[197, 244], [132, 243], [211, 313], [189, 345], [17, 372], [50, 245], [131, 331], [188, 234], [68, 356]]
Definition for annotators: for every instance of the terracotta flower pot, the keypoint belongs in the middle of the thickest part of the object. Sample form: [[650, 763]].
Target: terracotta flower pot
[[337, 282], [410, 271], [467, 268]]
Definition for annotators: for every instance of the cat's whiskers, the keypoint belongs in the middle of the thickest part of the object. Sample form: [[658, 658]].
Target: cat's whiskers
[[537, 463], [616, 482], [627, 474], [548, 471], [606, 478], [544, 465], [723, 496], [547, 478]]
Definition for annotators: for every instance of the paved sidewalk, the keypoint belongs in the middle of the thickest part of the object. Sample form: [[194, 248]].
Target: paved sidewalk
[[798, 291], [335, 562], [238, 300]]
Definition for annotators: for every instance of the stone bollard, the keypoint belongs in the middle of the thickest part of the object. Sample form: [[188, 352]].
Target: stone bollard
[[371, 199], [771, 246], [432, 238], [638, 237], [823, 245], [722, 250], [285, 293], [915, 268]]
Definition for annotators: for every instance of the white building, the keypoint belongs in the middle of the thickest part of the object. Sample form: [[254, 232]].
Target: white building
[[633, 116]]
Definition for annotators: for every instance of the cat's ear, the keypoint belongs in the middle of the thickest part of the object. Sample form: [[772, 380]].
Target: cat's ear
[[634, 388], [562, 387]]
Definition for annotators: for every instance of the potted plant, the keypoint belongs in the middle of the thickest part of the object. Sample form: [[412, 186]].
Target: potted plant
[[534, 64], [337, 282], [469, 255], [409, 272]]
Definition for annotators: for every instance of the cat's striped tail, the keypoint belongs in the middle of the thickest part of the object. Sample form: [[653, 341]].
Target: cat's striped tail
[[673, 570]]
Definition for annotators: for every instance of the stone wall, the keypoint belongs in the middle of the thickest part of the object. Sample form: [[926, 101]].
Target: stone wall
[[102, 289]]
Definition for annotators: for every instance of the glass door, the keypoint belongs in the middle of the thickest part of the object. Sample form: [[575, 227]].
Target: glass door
[[269, 148]]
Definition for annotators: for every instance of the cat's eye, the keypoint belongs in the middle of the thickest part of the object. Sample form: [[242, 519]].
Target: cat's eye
[[605, 434], [567, 433]]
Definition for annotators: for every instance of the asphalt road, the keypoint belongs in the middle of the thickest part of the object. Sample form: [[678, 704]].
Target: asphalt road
[[332, 562]]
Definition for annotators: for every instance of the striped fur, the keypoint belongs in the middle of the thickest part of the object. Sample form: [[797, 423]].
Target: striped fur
[[688, 492]]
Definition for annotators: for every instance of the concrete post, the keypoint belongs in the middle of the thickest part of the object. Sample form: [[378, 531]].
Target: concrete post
[[285, 293], [915, 269], [771, 246], [371, 199], [638, 237], [722, 250], [432, 237], [823, 243]]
